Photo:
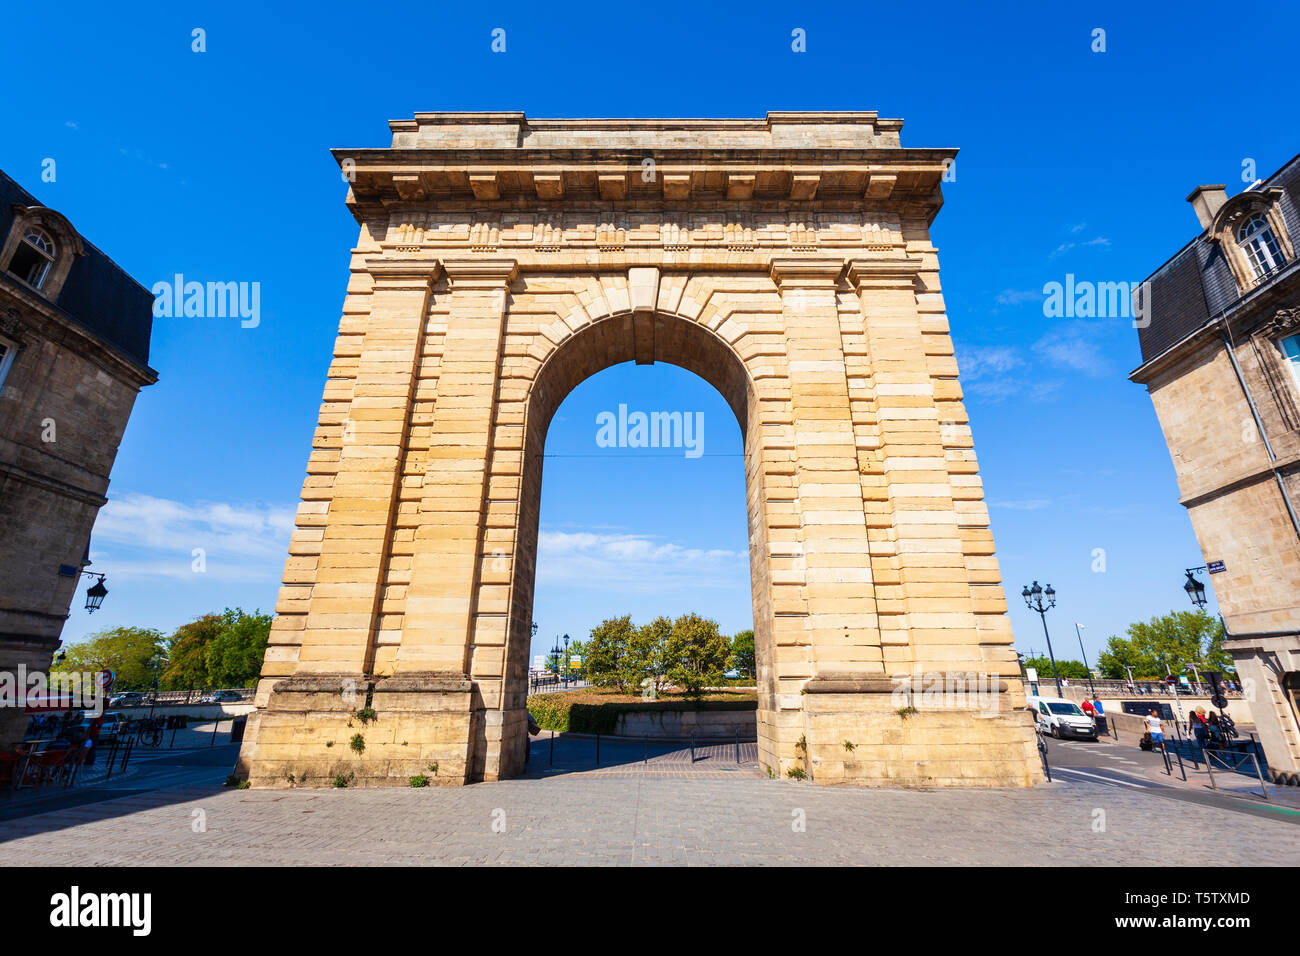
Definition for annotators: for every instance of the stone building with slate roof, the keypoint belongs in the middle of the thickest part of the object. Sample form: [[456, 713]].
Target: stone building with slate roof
[[74, 352], [1220, 340]]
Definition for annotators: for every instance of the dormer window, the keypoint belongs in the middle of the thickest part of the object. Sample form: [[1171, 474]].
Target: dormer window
[[1256, 239], [33, 257]]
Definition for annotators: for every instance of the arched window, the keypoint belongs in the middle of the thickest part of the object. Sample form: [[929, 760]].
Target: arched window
[[1260, 246], [32, 259]]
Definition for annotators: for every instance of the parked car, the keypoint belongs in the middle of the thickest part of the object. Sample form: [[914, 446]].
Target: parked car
[[108, 727], [130, 698], [1062, 718], [111, 725], [224, 697]]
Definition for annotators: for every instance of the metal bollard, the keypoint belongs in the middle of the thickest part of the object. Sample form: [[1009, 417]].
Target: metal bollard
[[552, 748], [692, 746], [737, 746], [1259, 773], [112, 755]]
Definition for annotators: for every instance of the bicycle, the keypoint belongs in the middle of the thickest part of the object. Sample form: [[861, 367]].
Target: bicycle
[[150, 733]]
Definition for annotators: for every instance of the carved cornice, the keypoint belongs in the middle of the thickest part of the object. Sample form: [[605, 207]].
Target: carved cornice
[[480, 273], [883, 272], [1225, 220], [12, 326], [1283, 322], [806, 273], [507, 161]]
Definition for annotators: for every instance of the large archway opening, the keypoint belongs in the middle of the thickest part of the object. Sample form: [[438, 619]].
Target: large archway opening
[[616, 346]]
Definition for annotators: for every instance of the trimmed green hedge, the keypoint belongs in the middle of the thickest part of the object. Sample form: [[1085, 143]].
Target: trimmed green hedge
[[579, 714]]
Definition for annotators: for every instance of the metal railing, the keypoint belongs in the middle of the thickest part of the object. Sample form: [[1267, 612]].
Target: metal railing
[[693, 740], [1107, 687], [1233, 761], [538, 683], [194, 696]]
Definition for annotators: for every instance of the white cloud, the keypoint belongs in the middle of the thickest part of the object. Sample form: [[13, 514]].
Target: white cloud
[[998, 372], [977, 363], [140, 535], [1077, 347], [636, 562]]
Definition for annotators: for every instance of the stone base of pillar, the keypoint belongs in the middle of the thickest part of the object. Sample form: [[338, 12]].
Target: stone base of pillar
[[869, 732], [26, 655], [500, 744], [317, 730]]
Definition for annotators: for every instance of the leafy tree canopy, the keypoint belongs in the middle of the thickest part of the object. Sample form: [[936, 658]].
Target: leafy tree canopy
[[132, 653], [742, 654], [1071, 670], [688, 652], [1171, 641]]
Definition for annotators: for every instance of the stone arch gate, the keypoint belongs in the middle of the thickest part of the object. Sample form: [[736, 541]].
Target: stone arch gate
[[503, 260]]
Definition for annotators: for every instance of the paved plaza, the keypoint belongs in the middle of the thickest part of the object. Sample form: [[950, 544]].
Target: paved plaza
[[636, 817]]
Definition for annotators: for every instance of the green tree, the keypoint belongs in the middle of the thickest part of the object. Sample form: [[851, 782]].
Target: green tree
[[217, 650], [187, 666], [234, 656], [649, 649], [1166, 643], [132, 653], [1072, 670], [696, 653], [611, 660], [742, 653], [1120, 654]]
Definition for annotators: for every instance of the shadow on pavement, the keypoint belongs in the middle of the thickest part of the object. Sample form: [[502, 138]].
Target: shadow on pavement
[[153, 780]]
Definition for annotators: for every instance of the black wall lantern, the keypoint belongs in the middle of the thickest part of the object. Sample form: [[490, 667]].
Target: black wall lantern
[[95, 595], [1194, 588]]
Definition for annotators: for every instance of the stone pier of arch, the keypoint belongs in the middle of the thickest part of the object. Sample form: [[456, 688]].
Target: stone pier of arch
[[503, 260]]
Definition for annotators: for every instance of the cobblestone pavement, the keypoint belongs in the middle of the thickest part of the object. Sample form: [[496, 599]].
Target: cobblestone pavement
[[587, 819]]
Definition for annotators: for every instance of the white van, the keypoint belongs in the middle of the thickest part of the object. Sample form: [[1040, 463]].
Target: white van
[[1062, 718]]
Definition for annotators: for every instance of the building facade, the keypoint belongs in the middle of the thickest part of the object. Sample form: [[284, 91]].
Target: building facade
[[74, 352], [1219, 330], [502, 260]]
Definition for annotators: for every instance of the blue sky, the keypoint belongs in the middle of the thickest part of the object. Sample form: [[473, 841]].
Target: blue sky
[[217, 165]]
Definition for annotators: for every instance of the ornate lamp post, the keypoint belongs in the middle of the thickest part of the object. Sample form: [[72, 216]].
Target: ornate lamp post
[[566, 660], [1091, 685], [1034, 596]]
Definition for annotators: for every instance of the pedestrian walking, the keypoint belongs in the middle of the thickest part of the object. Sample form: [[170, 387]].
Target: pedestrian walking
[[1156, 729]]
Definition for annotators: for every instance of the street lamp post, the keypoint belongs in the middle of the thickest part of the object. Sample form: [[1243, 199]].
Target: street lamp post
[[1034, 597], [566, 660], [159, 664], [1091, 685], [1173, 684], [555, 656]]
